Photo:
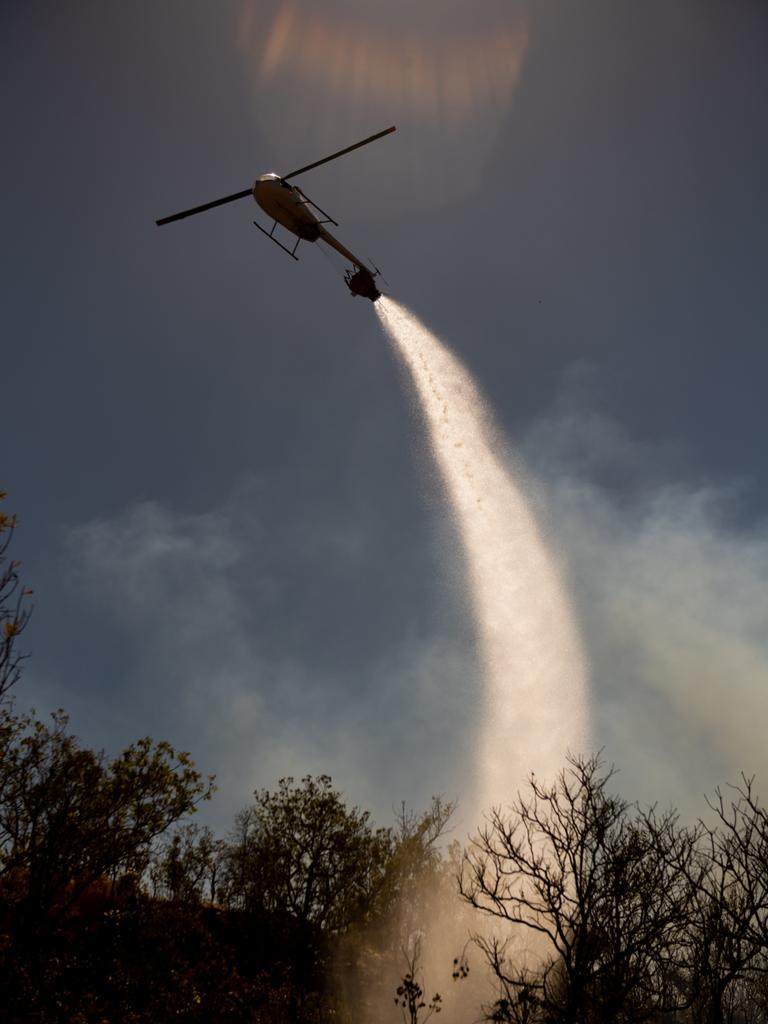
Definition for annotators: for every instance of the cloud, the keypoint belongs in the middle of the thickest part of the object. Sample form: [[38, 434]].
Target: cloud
[[443, 73], [194, 601]]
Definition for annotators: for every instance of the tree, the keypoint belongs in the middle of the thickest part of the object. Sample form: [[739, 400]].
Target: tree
[[602, 890], [14, 607], [728, 931], [416, 874], [414, 914], [69, 815], [301, 853], [306, 867], [76, 830], [409, 994], [185, 868]]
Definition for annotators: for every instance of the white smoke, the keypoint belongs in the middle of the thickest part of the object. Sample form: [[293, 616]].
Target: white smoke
[[529, 649]]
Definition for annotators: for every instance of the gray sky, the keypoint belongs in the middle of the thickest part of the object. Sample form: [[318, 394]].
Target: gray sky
[[232, 531]]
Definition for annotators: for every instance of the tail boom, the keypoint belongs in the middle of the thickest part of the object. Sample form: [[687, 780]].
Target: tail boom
[[360, 281]]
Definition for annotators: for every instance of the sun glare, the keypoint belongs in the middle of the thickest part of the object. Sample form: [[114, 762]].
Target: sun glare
[[320, 75]]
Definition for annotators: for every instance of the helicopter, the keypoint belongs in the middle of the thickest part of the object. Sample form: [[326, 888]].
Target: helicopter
[[289, 206]]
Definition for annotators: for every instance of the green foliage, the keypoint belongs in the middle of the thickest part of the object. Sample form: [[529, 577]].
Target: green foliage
[[300, 853], [416, 869], [185, 867], [69, 816]]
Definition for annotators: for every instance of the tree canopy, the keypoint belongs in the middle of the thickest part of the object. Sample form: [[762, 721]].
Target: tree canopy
[[301, 853]]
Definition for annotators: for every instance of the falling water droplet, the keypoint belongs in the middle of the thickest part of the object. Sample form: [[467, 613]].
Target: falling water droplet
[[529, 648]]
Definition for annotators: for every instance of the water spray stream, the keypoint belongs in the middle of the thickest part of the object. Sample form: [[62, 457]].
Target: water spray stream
[[529, 648]]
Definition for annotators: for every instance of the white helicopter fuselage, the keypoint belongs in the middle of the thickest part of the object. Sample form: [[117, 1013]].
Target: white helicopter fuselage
[[288, 205]]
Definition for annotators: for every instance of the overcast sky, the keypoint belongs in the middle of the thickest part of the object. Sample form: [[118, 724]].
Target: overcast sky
[[233, 534]]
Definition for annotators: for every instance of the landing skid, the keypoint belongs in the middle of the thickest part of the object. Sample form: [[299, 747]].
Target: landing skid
[[269, 234], [306, 201]]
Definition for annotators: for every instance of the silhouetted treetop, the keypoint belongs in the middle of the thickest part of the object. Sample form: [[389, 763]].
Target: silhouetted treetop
[[300, 852], [15, 608]]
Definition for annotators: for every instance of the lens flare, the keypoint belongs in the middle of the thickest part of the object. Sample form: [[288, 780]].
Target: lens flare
[[444, 73], [529, 648]]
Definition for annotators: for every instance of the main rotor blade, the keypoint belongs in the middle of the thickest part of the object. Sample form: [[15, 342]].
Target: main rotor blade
[[205, 206], [341, 152]]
